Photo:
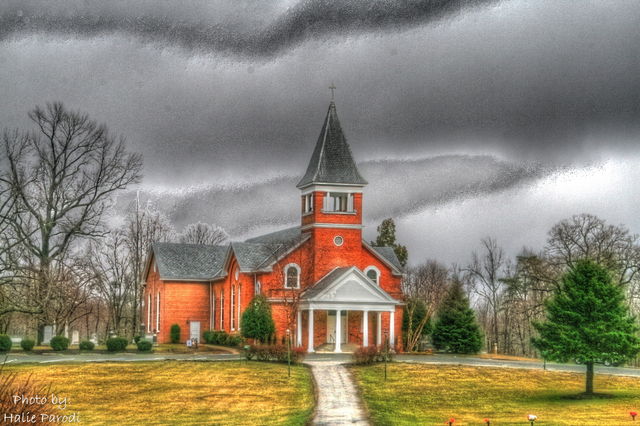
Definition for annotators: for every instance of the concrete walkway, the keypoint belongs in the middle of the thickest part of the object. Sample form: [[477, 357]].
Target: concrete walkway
[[338, 399]]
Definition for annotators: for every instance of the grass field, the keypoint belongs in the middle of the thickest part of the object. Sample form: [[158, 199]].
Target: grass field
[[180, 392], [432, 394]]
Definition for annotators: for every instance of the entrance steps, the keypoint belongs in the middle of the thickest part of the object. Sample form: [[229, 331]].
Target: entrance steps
[[329, 348]]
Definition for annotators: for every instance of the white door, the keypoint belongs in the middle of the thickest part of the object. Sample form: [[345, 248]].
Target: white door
[[331, 327], [194, 330]]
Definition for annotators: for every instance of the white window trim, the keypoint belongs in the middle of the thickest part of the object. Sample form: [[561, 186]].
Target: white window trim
[[233, 306], [149, 318], [222, 310], [158, 313], [213, 310], [238, 303], [373, 268], [258, 288], [286, 268]]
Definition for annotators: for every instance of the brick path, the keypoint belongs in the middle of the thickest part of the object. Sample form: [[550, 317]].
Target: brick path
[[338, 399]]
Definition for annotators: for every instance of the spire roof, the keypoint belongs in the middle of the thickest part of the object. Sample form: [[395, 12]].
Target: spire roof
[[332, 162]]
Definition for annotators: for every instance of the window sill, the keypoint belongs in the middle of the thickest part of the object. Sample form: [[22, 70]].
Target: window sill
[[307, 214], [332, 212]]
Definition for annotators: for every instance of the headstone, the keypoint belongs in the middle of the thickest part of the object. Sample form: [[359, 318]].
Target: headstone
[[47, 335], [75, 337], [94, 338]]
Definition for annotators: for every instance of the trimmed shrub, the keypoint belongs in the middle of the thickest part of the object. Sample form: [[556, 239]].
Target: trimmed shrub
[[27, 344], [273, 353], [87, 345], [144, 346], [5, 343], [137, 338], [234, 340], [59, 343], [207, 336], [117, 344], [215, 337], [371, 355], [175, 333]]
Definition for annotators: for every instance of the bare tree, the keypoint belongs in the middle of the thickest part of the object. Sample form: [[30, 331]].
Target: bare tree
[[587, 236], [426, 284], [144, 226], [203, 233], [110, 266], [60, 178], [485, 274]]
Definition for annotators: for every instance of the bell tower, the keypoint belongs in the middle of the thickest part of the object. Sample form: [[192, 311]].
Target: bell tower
[[331, 199]]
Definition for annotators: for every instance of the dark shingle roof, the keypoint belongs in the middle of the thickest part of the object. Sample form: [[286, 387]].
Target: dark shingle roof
[[389, 255], [282, 236], [325, 282], [251, 257], [189, 261], [332, 161]]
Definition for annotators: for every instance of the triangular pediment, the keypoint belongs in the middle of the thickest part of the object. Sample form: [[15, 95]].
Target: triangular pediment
[[348, 285]]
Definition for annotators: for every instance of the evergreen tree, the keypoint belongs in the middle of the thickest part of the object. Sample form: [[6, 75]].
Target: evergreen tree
[[387, 238], [456, 329], [256, 321], [588, 319]]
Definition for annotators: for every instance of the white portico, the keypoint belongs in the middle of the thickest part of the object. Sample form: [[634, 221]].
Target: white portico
[[341, 292]]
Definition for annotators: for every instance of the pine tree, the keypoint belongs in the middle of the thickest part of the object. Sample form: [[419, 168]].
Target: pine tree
[[387, 238], [257, 322], [456, 329], [588, 319]]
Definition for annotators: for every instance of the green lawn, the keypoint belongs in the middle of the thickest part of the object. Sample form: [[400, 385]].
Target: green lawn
[[432, 394], [172, 392]]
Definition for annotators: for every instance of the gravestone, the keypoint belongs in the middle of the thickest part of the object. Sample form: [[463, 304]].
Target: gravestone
[[47, 334], [94, 338], [75, 337]]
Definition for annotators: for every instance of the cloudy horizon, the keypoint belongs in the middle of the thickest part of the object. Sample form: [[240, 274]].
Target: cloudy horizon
[[468, 118]]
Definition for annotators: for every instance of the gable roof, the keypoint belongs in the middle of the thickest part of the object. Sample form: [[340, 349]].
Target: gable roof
[[359, 288], [195, 262], [331, 161], [324, 283]]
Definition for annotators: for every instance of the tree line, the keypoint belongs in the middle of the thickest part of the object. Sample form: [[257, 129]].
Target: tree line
[[509, 295]]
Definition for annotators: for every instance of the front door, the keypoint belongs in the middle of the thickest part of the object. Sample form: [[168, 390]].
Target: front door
[[194, 330], [331, 327]]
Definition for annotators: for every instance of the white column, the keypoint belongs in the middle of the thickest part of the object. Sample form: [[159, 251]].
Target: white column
[[365, 328], [392, 329], [379, 329], [310, 348], [338, 332], [299, 329]]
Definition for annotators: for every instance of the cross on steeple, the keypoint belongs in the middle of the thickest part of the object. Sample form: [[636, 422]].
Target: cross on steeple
[[332, 88]]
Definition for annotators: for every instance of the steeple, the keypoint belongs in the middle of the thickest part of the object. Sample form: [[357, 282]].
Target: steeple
[[332, 162]]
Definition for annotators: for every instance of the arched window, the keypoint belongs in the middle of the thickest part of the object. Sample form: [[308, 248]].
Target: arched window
[[292, 276], [233, 305], [258, 287], [373, 274]]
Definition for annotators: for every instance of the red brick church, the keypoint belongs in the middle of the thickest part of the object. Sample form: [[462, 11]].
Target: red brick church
[[326, 285]]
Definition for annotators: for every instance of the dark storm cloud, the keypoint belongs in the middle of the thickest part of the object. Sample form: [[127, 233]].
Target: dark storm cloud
[[397, 188], [245, 29]]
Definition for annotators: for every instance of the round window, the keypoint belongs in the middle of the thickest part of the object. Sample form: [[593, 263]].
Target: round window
[[337, 240]]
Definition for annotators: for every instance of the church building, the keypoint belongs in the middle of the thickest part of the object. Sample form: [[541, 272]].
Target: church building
[[327, 287]]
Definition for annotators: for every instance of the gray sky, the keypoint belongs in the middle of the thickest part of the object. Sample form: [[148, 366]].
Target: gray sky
[[470, 118]]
